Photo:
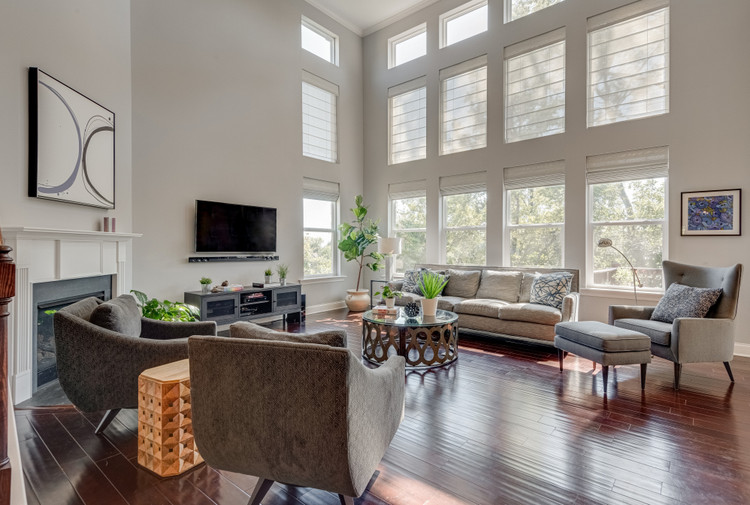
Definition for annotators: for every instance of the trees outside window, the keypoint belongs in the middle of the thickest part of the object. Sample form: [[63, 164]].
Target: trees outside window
[[535, 226], [515, 9], [319, 237], [465, 228], [409, 222]]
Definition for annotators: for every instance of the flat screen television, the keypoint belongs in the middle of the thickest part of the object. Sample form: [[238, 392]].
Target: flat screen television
[[231, 228]]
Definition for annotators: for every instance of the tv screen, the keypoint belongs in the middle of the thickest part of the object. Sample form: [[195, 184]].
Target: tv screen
[[231, 228]]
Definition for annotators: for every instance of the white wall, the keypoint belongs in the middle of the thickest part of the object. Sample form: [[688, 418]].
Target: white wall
[[86, 45], [706, 129], [217, 116]]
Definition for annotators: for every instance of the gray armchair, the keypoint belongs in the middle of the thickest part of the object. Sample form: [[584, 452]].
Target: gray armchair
[[100, 354], [687, 339], [302, 414]]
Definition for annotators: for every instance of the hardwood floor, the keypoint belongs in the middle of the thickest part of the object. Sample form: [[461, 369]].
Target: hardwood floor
[[499, 426]]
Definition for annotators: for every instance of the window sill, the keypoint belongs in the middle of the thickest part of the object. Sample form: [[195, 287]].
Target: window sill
[[624, 294], [322, 280]]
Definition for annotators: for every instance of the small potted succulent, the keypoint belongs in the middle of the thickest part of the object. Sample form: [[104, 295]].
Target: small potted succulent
[[205, 282], [282, 270], [268, 273], [389, 296], [432, 285]]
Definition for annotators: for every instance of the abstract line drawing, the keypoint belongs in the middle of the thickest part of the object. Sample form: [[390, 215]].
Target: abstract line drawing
[[71, 144]]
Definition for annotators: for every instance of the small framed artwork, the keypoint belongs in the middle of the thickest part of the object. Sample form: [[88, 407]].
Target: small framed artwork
[[71, 145], [711, 212]]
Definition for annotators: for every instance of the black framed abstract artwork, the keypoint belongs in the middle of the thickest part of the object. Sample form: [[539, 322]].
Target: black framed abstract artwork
[[71, 145], [711, 212]]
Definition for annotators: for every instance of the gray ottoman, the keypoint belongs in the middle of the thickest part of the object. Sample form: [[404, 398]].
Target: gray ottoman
[[604, 344]]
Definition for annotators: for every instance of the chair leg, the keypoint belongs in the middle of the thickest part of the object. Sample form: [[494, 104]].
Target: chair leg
[[346, 500], [643, 375], [677, 373], [729, 370], [560, 358], [605, 375], [261, 488], [108, 418]]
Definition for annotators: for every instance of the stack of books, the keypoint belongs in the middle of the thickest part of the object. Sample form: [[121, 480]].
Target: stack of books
[[382, 310]]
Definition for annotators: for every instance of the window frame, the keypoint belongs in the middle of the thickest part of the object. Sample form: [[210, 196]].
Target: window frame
[[334, 231], [454, 71], [326, 34], [456, 185], [395, 92], [394, 231], [332, 89], [453, 14], [402, 37], [509, 227]]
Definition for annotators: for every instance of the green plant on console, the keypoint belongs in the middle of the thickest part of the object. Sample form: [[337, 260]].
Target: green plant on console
[[165, 310], [205, 280], [389, 293], [282, 270], [357, 237], [268, 272], [432, 284]]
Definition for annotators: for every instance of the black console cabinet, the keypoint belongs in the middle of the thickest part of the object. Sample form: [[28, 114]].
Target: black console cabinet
[[250, 303]]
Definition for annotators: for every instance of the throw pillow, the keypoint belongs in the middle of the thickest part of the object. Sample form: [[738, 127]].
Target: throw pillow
[[463, 283], [120, 314], [550, 289], [500, 285], [684, 301], [412, 279]]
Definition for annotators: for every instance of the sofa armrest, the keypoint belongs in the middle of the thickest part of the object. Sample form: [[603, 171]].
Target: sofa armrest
[[570, 307], [697, 340], [168, 330], [629, 312]]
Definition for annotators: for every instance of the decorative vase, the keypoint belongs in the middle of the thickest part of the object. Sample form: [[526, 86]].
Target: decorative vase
[[429, 307], [204, 288], [357, 300], [268, 279], [390, 302], [282, 281]]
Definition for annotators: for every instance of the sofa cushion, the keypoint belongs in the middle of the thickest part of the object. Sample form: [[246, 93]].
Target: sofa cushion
[[412, 279], [463, 283], [448, 302], [530, 313], [252, 331], [525, 295], [120, 314], [658, 331], [550, 289], [684, 301], [479, 307], [500, 285], [407, 298]]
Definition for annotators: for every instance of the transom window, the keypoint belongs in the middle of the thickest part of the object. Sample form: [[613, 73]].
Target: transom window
[[463, 109], [628, 75], [408, 221], [407, 46], [464, 209], [407, 122], [320, 41], [463, 22], [320, 219], [319, 131], [515, 9]]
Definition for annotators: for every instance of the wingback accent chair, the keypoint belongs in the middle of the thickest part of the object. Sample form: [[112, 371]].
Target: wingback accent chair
[[690, 339], [302, 414], [102, 347]]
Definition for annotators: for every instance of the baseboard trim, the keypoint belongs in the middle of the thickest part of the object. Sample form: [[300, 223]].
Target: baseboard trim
[[742, 350], [325, 307]]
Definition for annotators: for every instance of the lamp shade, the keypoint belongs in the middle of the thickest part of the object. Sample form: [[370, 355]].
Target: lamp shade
[[389, 245]]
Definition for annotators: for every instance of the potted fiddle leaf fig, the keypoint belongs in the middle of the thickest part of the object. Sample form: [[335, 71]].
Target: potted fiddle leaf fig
[[356, 237], [432, 285]]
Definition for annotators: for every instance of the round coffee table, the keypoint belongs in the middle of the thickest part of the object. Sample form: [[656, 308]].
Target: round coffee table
[[424, 341]]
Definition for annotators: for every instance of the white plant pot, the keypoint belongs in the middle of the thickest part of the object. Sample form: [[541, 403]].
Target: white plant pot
[[267, 279], [429, 307], [390, 302], [357, 300]]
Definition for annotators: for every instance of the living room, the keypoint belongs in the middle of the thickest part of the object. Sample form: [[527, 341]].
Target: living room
[[208, 107]]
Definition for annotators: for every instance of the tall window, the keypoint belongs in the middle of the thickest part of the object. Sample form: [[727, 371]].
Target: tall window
[[627, 204], [464, 209], [408, 218], [319, 135], [319, 41], [320, 207], [407, 46], [407, 121], [463, 22], [515, 9], [535, 215], [463, 106], [535, 87], [628, 76]]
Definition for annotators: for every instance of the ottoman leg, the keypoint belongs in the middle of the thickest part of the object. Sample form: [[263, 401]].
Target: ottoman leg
[[605, 375], [643, 375], [560, 358], [677, 373]]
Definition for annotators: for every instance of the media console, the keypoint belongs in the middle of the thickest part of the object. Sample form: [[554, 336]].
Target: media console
[[250, 303]]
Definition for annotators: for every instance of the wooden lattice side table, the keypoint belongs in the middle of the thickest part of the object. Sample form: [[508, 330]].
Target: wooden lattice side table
[[165, 429]]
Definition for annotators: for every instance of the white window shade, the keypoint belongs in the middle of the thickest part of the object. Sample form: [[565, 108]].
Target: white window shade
[[463, 110], [319, 135], [320, 190], [533, 176], [535, 87], [464, 183], [628, 75], [411, 189], [628, 165], [407, 110]]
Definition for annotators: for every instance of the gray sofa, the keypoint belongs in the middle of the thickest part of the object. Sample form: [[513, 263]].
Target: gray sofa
[[495, 301]]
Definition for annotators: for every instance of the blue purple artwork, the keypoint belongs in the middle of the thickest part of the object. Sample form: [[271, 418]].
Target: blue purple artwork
[[711, 213]]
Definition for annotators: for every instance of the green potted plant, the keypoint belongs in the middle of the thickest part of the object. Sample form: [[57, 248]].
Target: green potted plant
[[431, 284], [165, 310], [205, 282], [356, 238], [389, 295], [268, 273], [282, 270]]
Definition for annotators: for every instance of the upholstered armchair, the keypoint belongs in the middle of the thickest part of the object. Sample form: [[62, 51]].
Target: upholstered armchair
[[302, 414], [690, 339], [102, 347]]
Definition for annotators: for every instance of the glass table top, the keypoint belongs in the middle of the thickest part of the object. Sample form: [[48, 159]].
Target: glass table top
[[400, 319]]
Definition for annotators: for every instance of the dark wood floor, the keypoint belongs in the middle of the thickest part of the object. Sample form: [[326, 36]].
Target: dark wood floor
[[499, 426]]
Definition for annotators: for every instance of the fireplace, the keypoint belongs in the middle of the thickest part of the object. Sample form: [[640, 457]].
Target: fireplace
[[48, 298]]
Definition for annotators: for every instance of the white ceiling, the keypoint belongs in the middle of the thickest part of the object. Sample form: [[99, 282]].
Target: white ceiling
[[364, 17]]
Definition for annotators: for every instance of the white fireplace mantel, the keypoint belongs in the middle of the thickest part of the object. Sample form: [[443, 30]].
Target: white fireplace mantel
[[46, 254]]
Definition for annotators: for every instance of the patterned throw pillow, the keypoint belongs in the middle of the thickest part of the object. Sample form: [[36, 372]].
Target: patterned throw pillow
[[412, 279], [684, 301], [550, 289]]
